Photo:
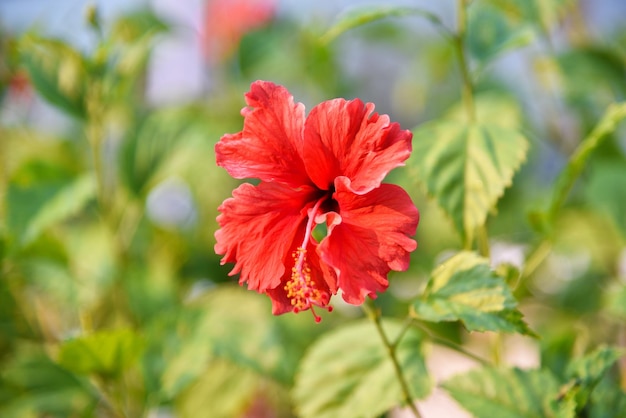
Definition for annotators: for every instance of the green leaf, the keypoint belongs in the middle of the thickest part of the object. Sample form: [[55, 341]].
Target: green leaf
[[509, 393], [616, 301], [601, 191], [564, 183], [362, 15], [466, 168], [223, 389], [219, 326], [43, 193], [347, 373], [42, 388], [543, 13], [608, 400], [465, 288], [152, 144], [587, 371], [137, 25], [67, 202], [493, 107], [57, 71], [107, 353], [590, 368], [491, 34]]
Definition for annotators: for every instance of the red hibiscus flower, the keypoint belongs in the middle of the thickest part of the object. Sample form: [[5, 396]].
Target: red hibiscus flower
[[327, 169], [226, 21]]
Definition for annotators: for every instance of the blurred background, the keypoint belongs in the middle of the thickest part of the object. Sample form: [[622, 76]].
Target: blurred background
[[109, 114]]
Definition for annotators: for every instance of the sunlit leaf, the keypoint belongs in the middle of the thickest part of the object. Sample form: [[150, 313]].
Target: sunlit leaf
[[362, 15], [57, 71], [466, 167], [509, 393], [234, 324], [106, 353], [465, 288], [347, 373], [492, 108], [136, 25], [223, 389]]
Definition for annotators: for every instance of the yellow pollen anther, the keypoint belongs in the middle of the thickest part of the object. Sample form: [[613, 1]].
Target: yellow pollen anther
[[301, 289]]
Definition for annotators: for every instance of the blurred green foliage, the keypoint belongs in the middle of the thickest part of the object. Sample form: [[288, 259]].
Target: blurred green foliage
[[113, 303]]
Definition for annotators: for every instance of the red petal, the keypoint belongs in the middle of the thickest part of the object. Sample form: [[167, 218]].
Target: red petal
[[270, 145], [323, 275], [371, 239], [258, 228], [344, 138]]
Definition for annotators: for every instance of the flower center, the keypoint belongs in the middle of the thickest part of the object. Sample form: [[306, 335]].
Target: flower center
[[301, 288]]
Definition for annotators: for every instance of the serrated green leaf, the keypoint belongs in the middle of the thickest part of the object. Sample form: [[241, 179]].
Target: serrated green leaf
[[106, 353], [465, 288], [466, 168], [590, 368], [608, 400], [587, 371], [362, 15], [347, 373], [492, 108], [509, 393], [57, 71]]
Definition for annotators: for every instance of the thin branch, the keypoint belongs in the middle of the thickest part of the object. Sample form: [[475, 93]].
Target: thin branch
[[374, 314], [459, 46], [450, 344]]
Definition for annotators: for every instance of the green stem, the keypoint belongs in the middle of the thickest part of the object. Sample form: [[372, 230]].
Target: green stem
[[459, 46], [94, 136], [374, 314], [450, 344], [3, 179], [535, 259], [483, 241], [613, 115]]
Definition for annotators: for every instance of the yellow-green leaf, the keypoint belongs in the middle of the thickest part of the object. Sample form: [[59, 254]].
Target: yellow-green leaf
[[106, 353], [347, 373], [465, 288], [466, 167], [510, 393], [58, 72], [362, 15]]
